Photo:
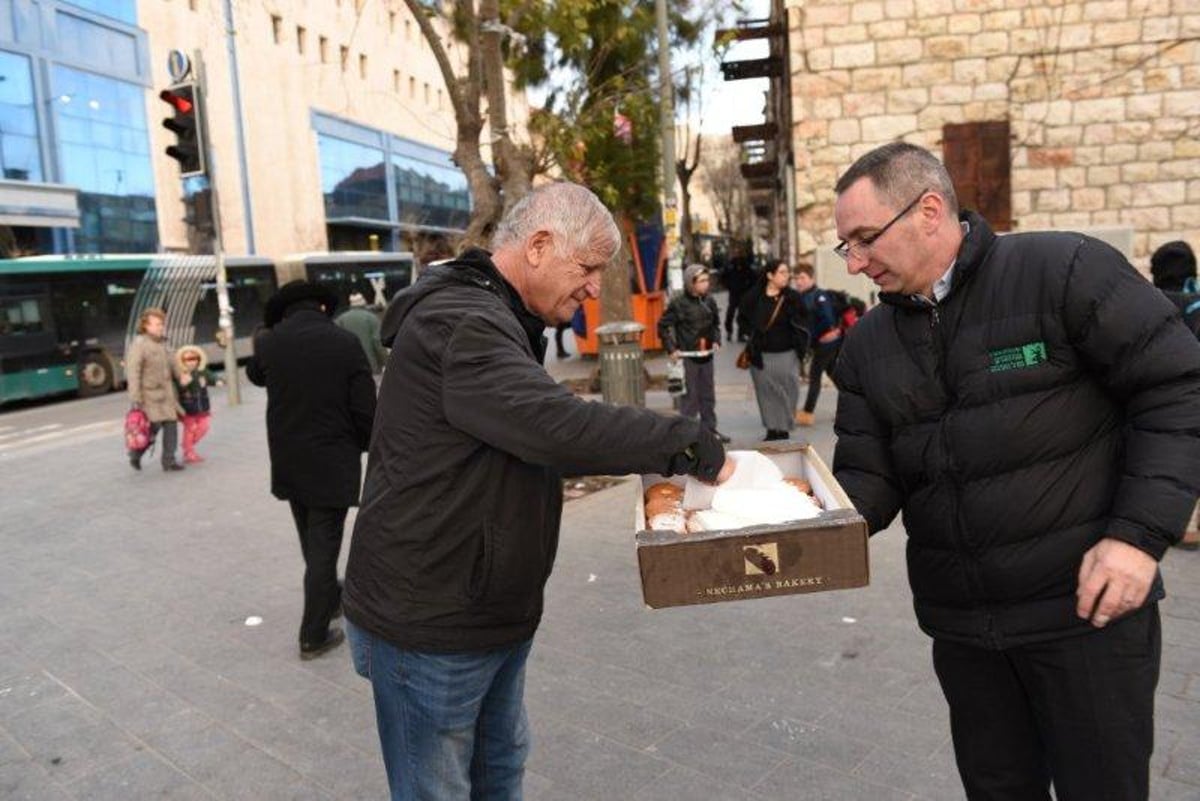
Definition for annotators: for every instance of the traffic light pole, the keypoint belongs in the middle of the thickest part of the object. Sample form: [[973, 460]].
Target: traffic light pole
[[225, 319]]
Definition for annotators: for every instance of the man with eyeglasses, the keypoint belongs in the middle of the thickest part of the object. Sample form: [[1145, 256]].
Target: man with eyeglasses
[[1031, 404]]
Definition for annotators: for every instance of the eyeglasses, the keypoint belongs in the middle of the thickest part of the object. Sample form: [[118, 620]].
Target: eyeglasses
[[860, 249]]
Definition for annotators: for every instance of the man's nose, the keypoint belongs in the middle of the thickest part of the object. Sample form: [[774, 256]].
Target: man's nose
[[855, 263]]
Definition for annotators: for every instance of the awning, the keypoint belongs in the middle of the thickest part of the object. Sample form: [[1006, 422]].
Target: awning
[[35, 205]]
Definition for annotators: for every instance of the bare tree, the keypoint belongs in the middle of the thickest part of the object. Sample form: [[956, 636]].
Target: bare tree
[[726, 188], [482, 33]]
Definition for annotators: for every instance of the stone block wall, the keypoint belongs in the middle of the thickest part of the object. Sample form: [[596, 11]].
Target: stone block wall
[[1103, 98]]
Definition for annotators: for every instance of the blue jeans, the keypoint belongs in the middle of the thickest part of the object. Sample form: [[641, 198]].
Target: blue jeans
[[452, 726]]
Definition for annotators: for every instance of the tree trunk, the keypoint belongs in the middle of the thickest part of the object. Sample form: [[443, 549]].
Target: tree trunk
[[514, 164], [616, 297]]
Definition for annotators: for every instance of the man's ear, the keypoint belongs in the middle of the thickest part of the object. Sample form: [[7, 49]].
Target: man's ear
[[932, 208], [538, 248]]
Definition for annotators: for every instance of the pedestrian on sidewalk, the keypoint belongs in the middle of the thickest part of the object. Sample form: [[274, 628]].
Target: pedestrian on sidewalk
[[774, 315], [825, 334], [363, 322], [692, 322], [320, 404], [1032, 405], [150, 383], [192, 383], [1173, 269], [738, 279], [463, 496]]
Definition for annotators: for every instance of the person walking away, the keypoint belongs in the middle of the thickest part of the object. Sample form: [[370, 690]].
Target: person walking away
[[692, 322], [774, 315], [151, 386], [194, 379], [738, 280], [1032, 405], [825, 334], [363, 322], [463, 497], [320, 404], [1173, 270]]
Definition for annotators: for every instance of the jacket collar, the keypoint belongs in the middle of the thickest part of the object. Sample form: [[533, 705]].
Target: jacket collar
[[971, 254], [475, 266]]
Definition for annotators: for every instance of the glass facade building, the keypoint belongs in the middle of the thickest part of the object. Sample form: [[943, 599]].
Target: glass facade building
[[73, 81], [374, 180]]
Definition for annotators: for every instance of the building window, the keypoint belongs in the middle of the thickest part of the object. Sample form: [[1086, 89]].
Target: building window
[[353, 179], [20, 158], [408, 30], [412, 88], [427, 94], [345, 51], [301, 39], [396, 81], [277, 28], [391, 22], [429, 194], [978, 157], [104, 149], [439, 98], [323, 46], [362, 65], [123, 10]]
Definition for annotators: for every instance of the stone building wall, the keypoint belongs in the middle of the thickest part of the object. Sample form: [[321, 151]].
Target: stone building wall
[[1103, 99]]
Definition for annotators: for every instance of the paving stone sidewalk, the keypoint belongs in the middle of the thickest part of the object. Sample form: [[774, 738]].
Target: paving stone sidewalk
[[128, 670]]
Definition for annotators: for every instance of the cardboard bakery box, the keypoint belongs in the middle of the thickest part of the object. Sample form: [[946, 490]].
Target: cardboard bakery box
[[828, 552]]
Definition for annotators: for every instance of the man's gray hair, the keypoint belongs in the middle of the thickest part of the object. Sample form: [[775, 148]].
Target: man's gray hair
[[572, 213], [900, 172]]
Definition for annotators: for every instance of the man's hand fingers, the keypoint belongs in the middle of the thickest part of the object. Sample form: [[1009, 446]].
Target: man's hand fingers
[[1111, 604], [1090, 586]]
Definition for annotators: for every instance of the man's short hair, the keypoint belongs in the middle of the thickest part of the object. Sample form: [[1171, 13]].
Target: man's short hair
[[804, 268], [576, 217], [900, 172]]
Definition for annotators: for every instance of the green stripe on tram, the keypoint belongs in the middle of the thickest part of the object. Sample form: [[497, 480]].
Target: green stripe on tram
[[39, 382]]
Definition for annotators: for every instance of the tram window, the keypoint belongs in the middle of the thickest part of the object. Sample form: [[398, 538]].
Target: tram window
[[21, 317]]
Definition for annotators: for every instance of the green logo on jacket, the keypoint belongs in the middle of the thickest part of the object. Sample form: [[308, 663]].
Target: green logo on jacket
[[1016, 358]]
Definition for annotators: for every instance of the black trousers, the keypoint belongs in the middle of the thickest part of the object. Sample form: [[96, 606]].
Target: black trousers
[[824, 357], [735, 300], [170, 430], [320, 531], [1078, 712]]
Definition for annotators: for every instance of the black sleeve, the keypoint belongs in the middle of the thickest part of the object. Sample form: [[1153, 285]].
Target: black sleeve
[[361, 396], [862, 461], [745, 314], [714, 333], [256, 369], [666, 326], [1133, 341], [493, 390]]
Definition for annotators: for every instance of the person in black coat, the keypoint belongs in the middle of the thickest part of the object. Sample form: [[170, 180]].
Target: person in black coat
[[463, 497], [1032, 404], [320, 405], [738, 279]]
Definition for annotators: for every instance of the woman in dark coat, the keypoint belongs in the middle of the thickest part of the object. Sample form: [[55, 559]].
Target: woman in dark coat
[[773, 313], [320, 406]]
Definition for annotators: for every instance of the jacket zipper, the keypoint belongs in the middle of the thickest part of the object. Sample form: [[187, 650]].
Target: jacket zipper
[[974, 580]]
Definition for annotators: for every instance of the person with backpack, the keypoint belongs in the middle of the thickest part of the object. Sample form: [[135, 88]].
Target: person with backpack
[[825, 312], [1173, 270]]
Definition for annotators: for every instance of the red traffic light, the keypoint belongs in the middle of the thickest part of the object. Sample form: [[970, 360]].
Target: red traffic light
[[179, 99]]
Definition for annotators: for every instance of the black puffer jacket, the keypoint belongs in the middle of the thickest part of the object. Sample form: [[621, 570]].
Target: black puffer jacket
[[460, 510], [688, 319], [1050, 400]]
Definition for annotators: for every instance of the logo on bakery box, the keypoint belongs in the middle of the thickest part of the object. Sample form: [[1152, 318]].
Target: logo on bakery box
[[761, 559]]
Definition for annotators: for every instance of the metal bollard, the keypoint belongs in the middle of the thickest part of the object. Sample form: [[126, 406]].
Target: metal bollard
[[621, 373]]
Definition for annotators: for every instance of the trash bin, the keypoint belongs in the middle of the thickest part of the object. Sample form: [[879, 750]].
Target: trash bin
[[621, 373]]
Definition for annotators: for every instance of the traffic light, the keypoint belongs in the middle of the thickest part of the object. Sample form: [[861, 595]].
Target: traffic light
[[185, 122]]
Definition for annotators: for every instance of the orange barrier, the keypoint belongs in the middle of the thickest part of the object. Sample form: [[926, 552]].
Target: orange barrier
[[648, 307]]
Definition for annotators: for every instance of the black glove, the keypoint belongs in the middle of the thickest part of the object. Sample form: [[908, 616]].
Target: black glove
[[703, 459]]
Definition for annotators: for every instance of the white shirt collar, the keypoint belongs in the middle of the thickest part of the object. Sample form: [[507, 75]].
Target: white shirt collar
[[941, 287]]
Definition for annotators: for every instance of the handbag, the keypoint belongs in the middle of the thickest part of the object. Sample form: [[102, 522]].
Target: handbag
[[743, 358], [137, 430]]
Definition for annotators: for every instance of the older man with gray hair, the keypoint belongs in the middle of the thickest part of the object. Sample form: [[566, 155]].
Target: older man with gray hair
[[460, 513]]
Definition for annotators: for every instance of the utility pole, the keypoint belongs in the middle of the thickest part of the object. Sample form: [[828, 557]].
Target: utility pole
[[666, 89], [225, 318]]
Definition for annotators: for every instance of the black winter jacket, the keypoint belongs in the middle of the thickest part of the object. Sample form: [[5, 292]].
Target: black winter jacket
[[1050, 400], [688, 319], [787, 331], [320, 403], [461, 507]]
